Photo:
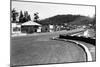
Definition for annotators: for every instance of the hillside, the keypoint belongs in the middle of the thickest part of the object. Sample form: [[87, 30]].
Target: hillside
[[82, 20], [70, 19]]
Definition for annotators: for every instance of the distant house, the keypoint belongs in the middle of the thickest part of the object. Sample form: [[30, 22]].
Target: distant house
[[48, 28], [30, 27], [15, 28], [53, 28]]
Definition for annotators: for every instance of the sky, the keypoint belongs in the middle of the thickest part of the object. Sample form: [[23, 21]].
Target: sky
[[46, 10]]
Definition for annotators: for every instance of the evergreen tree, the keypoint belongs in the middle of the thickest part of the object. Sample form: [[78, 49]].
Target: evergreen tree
[[21, 17], [29, 18], [26, 14], [26, 17]]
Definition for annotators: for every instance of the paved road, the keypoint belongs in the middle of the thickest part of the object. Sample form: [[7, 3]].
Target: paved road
[[42, 50]]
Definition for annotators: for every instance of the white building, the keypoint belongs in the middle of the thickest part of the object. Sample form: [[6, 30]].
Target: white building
[[15, 28], [51, 28], [39, 29]]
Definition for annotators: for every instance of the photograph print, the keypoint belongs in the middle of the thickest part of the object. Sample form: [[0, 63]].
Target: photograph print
[[51, 33]]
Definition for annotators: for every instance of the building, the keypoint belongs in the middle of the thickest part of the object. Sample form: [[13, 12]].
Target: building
[[51, 27], [15, 28], [30, 27]]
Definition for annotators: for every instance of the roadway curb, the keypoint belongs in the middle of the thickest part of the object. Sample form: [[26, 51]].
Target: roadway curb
[[88, 53]]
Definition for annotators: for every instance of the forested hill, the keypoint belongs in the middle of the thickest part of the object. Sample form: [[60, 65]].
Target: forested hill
[[71, 19]]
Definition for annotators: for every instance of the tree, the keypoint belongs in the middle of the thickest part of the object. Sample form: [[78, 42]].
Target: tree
[[26, 17], [29, 18], [25, 14], [21, 17], [14, 14], [36, 17]]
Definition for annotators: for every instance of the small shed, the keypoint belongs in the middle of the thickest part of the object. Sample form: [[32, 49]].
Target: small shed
[[30, 27]]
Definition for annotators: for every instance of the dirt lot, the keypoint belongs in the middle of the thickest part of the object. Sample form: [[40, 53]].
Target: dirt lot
[[41, 49]]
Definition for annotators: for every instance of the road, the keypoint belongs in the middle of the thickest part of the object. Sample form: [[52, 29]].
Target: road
[[26, 50]]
